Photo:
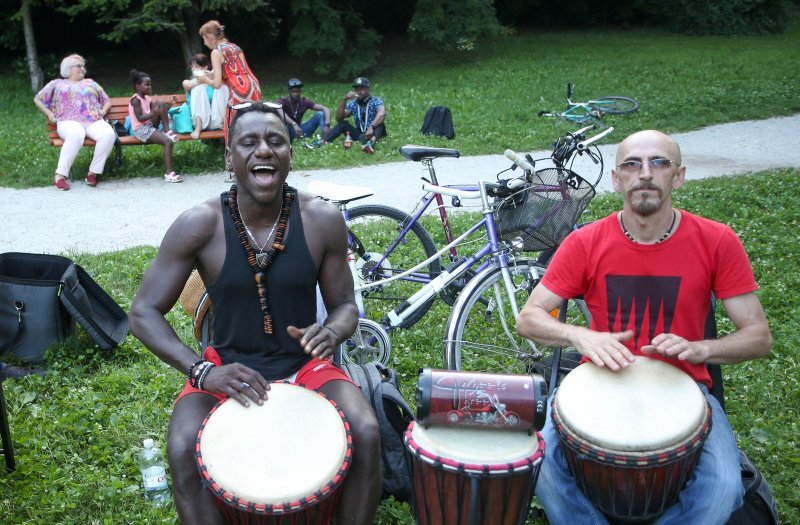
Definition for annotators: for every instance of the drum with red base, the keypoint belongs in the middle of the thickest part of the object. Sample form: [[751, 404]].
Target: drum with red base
[[632, 438], [466, 476], [279, 463]]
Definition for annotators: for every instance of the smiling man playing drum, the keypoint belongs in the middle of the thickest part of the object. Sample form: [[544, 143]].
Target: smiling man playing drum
[[648, 273], [262, 248]]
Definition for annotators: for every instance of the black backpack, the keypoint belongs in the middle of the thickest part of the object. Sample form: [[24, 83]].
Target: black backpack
[[759, 506], [379, 386], [438, 121]]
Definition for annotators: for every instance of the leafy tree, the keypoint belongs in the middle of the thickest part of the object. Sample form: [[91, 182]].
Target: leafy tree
[[335, 38], [129, 18], [453, 24]]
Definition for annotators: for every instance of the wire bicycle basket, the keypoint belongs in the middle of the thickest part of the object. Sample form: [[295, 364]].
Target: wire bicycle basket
[[541, 215]]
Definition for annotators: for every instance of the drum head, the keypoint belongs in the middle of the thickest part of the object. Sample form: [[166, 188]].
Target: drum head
[[649, 406], [476, 450], [282, 451]]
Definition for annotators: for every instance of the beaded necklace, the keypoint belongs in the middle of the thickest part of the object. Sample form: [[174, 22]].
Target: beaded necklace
[[362, 119], [661, 239], [260, 256], [260, 265], [296, 108]]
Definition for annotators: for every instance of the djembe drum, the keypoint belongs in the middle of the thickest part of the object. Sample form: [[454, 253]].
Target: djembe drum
[[632, 437], [473, 451], [278, 463]]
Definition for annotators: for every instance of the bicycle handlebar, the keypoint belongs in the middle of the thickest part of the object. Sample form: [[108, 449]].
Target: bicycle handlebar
[[518, 160], [588, 142]]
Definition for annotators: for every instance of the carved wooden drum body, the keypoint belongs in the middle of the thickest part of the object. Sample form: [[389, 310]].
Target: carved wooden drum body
[[633, 437]]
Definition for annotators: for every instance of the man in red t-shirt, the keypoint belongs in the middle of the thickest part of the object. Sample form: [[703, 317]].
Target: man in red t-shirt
[[647, 274]]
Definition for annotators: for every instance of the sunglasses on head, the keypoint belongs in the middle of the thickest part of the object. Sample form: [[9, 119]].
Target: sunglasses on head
[[244, 105]]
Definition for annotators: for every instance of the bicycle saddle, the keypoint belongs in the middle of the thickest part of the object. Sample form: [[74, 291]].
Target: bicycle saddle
[[417, 153], [338, 193]]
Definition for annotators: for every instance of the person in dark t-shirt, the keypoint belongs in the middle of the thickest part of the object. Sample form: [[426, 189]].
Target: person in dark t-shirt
[[295, 106], [262, 248]]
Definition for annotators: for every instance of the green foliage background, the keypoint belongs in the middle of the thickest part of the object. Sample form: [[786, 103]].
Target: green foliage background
[[682, 82]]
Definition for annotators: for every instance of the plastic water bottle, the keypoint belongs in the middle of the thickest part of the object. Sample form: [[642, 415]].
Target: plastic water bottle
[[154, 474], [347, 140]]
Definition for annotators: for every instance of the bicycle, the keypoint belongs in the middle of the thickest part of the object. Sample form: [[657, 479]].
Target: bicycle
[[593, 110], [497, 256], [480, 332]]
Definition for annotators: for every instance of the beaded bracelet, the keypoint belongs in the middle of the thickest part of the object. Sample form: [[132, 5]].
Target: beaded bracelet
[[189, 372], [206, 369], [198, 371]]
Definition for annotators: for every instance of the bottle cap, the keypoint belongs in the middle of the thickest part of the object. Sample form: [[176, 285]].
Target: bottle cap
[[148, 443]]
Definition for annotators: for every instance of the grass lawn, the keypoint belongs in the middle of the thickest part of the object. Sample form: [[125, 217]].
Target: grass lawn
[[682, 82], [76, 431]]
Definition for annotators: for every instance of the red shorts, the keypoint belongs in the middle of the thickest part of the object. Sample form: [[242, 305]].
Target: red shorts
[[313, 375]]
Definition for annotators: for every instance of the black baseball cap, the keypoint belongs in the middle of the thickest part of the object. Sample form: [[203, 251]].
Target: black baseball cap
[[295, 83], [361, 82]]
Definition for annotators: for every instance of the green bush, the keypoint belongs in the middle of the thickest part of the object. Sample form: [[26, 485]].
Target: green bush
[[732, 17]]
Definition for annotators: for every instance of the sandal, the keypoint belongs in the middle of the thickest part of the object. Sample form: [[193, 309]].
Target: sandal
[[171, 177], [173, 137]]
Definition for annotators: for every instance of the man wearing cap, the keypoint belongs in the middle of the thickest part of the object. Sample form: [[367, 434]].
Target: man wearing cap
[[368, 113], [295, 105]]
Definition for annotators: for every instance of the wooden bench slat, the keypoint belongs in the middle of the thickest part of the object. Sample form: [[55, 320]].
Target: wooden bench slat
[[119, 110]]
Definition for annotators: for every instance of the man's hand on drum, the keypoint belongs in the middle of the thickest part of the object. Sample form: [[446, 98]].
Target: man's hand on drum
[[240, 382], [604, 348], [676, 347], [316, 340]]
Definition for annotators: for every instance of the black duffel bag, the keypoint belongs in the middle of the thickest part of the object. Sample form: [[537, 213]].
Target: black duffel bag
[[41, 298]]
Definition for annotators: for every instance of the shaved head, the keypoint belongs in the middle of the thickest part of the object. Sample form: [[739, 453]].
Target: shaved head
[[649, 138]]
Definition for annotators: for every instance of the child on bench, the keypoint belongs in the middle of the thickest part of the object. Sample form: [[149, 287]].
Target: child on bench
[[147, 115]]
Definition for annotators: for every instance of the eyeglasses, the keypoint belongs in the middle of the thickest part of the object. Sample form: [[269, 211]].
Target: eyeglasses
[[634, 166], [82, 66]]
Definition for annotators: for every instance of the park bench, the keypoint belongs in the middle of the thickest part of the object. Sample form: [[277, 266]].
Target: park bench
[[119, 110]]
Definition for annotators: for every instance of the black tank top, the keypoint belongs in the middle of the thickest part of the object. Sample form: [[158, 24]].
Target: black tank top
[[238, 320]]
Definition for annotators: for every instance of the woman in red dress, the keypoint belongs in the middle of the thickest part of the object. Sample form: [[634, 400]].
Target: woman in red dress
[[228, 66]]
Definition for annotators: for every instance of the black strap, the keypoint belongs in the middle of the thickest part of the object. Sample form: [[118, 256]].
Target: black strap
[[4, 347]]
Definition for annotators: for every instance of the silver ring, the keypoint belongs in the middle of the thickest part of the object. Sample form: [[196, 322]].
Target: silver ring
[[244, 386]]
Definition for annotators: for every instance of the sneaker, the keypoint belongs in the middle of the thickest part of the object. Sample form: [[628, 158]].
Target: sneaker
[[171, 177], [7, 371], [314, 145], [61, 184], [367, 148], [91, 179]]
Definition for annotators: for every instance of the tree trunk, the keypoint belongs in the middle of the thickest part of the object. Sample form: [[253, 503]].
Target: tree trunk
[[30, 48], [190, 40]]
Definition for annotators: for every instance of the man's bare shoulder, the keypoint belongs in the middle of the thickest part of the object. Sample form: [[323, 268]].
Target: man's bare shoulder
[[198, 222], [317, 210]]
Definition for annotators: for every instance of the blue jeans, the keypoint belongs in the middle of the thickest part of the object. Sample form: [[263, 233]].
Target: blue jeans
[[309, 126], [713, 492]]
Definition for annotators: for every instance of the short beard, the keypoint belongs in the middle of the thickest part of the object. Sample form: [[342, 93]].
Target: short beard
[[645, 207]]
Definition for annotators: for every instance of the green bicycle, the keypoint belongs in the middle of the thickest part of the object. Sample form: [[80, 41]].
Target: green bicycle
[[592, 111]]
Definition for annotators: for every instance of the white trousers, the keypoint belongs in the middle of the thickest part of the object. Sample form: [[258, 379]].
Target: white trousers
[[73, 133], [211, 114]]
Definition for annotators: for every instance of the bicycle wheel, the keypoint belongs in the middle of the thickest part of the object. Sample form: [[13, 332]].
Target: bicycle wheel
[[614, 105], [369, 343], [386, 254], [481, 331]]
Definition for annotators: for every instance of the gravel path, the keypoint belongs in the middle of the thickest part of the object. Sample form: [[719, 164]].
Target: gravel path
[[122, 214]]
